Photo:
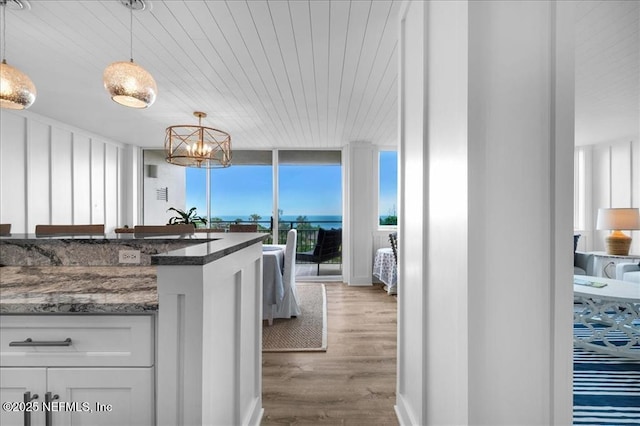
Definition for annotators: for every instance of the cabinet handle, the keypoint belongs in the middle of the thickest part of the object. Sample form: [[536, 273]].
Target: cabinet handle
[[30, 342], [48, 416], [27, 412]]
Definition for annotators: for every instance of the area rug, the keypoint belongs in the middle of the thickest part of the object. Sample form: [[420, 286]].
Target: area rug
[[606, 389], [307, 332]]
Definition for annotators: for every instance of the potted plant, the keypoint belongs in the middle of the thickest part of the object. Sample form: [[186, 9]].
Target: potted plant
[[189, 217]]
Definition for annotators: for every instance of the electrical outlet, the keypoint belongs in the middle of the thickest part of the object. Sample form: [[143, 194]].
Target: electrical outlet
[[129, 256]]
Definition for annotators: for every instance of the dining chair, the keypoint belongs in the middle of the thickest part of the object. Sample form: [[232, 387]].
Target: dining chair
[[5, 228], [290, 306], [51, 230], [154, 230], [238, 227], [124, 230], [393, 240]]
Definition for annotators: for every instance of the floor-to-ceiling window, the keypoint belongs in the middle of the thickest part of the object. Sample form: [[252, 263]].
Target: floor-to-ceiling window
[[238, 194], [310, 198], [387, 188]]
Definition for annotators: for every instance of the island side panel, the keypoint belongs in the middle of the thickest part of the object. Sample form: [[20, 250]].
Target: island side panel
[[209, 345]]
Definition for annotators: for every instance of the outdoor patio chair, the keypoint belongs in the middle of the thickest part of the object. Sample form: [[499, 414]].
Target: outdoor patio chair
[[328, 246]]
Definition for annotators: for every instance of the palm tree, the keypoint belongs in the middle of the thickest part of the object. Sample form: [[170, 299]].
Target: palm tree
[[255, 218], [303, 222]]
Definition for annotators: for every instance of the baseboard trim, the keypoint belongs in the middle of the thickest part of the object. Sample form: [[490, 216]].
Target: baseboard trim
[[403, 414]]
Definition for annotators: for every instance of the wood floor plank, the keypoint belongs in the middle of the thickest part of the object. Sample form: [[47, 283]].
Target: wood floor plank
[[354, 382]]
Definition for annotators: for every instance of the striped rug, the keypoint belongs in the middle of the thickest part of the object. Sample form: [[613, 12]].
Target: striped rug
[[606, 389]]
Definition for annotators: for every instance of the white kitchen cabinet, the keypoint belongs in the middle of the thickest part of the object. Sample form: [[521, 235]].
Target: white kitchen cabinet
[[14, 384], [86, 370], [78, 396]]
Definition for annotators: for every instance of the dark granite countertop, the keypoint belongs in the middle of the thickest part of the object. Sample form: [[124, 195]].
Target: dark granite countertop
[[78, 289], [195, 249], [82, 274], [201, 254]]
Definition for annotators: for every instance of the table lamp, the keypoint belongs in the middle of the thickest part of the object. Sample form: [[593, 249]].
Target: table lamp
[[617, 220]]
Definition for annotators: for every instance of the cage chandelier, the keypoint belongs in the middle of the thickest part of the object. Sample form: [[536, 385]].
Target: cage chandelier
[[17, 91], [127, 82], [197, 146]]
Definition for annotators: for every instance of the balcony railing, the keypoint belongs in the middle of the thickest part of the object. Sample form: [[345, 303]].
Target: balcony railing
[[307, 232]]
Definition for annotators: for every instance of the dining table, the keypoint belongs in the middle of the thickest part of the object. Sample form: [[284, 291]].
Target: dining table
[[384, 268], [272, 270]]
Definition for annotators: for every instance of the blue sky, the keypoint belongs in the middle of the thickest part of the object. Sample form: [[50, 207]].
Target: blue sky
[[243, 190], [309, 190], [388, 182]]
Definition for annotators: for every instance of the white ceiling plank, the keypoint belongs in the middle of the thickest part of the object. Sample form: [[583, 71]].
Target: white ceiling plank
[[376, 66], [267, 69], [318, 20], [356, 35], [335, 63], [374, 32], [279, 13], [285, 73]]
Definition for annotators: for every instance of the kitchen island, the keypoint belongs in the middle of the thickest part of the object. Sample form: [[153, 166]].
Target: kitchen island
[[180, 332]]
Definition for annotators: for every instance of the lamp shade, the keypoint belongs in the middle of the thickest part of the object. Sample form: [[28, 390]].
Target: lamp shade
[[618, 219], [130, 85], [17, 91]]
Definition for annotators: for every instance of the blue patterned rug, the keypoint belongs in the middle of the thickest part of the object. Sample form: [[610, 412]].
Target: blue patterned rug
[[606, 389]]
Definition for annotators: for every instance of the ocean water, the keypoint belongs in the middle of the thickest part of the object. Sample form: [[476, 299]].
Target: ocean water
[[327, 221]]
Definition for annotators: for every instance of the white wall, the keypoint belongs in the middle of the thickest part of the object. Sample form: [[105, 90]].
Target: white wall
[[485, 213], [612, 175], [53, 173], [169, 176]]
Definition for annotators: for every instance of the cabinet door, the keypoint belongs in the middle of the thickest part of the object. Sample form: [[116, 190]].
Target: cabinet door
[[102, 396], [14, 383]]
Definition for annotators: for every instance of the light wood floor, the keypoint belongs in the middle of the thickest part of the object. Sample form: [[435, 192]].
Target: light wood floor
[[354, 382]]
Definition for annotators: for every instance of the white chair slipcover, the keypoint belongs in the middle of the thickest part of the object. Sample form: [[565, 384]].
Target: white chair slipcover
[[289, 306]]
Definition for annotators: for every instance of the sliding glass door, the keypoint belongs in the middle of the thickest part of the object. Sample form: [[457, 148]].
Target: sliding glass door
[[242, 193], [307, 197], [310, 200]]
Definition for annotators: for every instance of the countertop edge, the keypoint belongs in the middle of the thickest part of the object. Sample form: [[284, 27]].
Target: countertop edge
[[209, 251], [78, 309]]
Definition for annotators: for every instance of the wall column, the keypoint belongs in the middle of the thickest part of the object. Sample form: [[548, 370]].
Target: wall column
[[486, 148], [357, 241]]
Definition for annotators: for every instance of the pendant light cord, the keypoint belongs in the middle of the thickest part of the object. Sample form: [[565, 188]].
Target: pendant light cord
[[3, 4], [131, 28]]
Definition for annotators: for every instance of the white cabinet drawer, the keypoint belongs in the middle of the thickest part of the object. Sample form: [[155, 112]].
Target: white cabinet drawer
[[95, 340]]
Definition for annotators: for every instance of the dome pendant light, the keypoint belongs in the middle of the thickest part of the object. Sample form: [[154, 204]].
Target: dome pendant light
[[127, 82], [17, 91]]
